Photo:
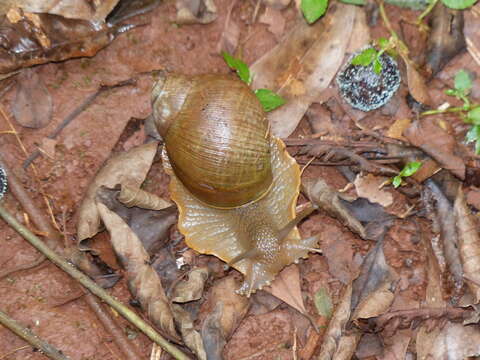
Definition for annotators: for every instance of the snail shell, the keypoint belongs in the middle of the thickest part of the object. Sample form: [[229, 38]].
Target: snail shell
[[240, 206]]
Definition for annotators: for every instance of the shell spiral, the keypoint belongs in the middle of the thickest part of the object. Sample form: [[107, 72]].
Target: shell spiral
[[216, 136]]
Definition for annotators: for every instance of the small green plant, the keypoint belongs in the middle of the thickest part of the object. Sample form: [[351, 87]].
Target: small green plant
[[313, 9], [372, 56], [408, 170], [268, 98]]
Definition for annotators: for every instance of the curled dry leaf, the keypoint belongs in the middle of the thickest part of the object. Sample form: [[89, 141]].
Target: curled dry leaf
[[128, 168], [143, 281], [33, 105], [195, 11], [328, 199], [369, 187], [416, 84], [40, 38], [469, 244], [151, 226], [192, 288], [446, 37], [190, 336], [437, 143], [134, 196], [73, 9], [336, 344], [304, 63]]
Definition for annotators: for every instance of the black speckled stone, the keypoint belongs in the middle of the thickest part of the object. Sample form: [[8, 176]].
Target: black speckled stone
[[366, 90]]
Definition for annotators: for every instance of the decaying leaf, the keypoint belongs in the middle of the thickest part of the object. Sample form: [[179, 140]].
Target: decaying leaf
[[134, 196], [446, 37], [469, 244], [33, 105], [336, 344], [40, 38], [126, 168], [73, 9], [151, 226], [195, 11], [190, 336], [437, 143], [416, 84], [275, 21], [143, 281], [441, 211], [369, 187], [191, 289], [304, 63]]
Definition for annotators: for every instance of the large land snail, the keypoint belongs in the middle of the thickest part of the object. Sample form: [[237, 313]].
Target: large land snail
[[235, 185]]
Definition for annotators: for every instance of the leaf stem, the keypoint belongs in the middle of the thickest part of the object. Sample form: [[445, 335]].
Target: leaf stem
[[91, 285]]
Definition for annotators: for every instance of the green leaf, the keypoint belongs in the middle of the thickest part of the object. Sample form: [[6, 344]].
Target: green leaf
[[313, 9], [397, 181], [241, 68], [354, 2], [365, 58], [377, 66], [269, 99], [474, 116], [463, 82], [383, 43], [459, 4], [477, 147], [410, 169], [473, 134], [323, 303]]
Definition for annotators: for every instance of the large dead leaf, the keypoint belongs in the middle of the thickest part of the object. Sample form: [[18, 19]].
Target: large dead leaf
[[33, 104], [304, 63], [416, 84], [469, 244], [126, 168], [190, 336], [143, 281], [437, 143], [73, 9], [39, 38], [192, 288]]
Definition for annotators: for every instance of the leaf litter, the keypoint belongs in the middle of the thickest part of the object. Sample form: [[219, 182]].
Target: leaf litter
[[354, 226]]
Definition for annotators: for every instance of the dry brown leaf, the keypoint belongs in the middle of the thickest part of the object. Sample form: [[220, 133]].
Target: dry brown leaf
[[395, 130], [303, 64], [275, 21], [128, 168], [416, 84], [33, 105], [286, 287], [437, 143], [376, 303], [190, 336], [339, 253], [336, 344], [469, 244], [192, 288], [73, 9], [369, 187], [195, 11], [134, 196], [143, 281], [473, 198], [328, 199], [277, 4], [231, 33]]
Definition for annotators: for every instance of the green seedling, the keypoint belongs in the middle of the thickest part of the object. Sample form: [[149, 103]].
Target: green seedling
[[371, 56], [313, 9], [408, 170], [268, 98]]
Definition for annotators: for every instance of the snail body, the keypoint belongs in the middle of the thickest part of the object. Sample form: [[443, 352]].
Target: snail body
[[235, 185]]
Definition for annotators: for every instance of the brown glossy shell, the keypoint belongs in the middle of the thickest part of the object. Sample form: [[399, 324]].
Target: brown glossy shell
[[216, 136]]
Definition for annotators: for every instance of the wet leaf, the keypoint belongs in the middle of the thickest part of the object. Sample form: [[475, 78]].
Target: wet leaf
[[192, 288], [128, 168], [313, 9], [143, 281], [195, 11], [301, 66], [33, 105], [446, 38], [437, 143], [190, 336], [40, 38], [469, 244], [269, 100]]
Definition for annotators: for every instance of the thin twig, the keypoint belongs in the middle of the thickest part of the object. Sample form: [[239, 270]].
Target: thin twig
[[83, 106], [91, 285], [27, 335]]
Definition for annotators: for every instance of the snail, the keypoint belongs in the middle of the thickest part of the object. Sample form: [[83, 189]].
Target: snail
[[235, 185]]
